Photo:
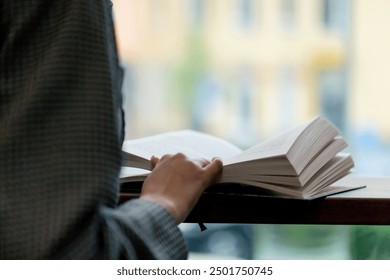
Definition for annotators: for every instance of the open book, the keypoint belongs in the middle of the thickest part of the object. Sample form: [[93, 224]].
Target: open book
[[302, 162]]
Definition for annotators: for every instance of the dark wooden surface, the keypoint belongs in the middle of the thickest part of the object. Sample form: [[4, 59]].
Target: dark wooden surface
[[367, 206]]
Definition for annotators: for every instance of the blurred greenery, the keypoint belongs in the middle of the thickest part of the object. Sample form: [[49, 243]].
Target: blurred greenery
[[303, 236], [189, 72], [370, 242], [301, 241], [322, 242]]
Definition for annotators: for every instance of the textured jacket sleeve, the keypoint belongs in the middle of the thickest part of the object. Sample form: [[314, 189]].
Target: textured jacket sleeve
[[60, 140], [158, 238], [138, 229]]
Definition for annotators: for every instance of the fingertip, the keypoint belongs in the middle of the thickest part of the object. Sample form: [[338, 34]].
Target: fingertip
[[215, 166], [154, 160], [218, 161], [213, 171]]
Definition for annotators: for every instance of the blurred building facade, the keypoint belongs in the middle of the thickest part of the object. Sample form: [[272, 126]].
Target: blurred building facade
[[247, 69], [252, 67]]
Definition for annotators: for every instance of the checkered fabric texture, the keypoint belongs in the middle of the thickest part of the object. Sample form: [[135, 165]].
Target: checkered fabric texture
[[60, 140]]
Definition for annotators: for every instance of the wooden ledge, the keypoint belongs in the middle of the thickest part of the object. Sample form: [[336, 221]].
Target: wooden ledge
[[367, 206]]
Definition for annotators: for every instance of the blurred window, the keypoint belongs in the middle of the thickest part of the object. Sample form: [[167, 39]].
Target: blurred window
[[196, 10], [246, 13], [333, 91], [335, 15], [288, 14]]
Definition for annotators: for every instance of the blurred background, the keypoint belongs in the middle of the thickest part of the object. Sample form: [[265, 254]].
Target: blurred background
[[245, 70]]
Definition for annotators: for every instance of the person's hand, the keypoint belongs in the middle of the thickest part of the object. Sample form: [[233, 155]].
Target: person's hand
[[177, 182]]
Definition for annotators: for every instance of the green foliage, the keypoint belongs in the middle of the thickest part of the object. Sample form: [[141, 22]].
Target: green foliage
[[187, 75], [370, 243]]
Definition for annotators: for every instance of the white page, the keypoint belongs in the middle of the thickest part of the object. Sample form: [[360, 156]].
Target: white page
[[191, 143], [276, 146]]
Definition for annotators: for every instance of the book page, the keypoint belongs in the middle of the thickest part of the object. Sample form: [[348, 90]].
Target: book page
[[276, 146], [191, 143], [130, 174]]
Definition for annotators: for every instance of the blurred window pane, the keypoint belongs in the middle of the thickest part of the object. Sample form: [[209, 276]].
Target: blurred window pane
[[197, 11], [246, 8], [288, 14]]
